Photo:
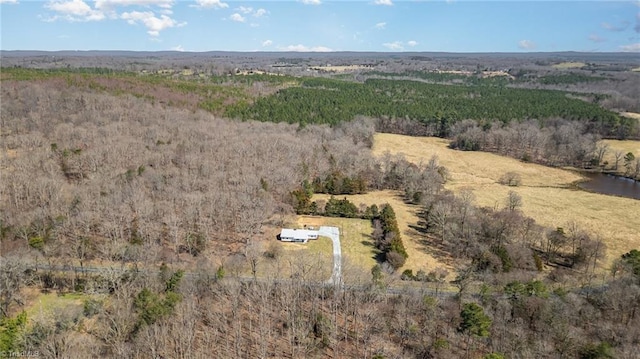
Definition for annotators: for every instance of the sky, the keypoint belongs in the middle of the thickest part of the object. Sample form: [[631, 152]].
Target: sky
[[321, 25]]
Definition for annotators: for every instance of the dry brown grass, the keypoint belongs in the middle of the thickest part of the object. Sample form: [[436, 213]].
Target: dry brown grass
[[476, 169], [345, 68], [547, 193], [317, 255], [421, 256], [631, 115], [569, 65]]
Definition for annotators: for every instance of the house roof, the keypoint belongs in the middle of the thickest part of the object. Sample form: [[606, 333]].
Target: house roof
[[301, 234]]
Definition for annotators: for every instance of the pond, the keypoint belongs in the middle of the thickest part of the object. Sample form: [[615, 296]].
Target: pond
[[612, 185]]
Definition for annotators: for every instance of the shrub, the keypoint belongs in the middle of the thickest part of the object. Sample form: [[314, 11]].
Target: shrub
[[273, 251], [538, 261], [408, 275], [91, 307], [512, 179], [395, 259], [502, 253]]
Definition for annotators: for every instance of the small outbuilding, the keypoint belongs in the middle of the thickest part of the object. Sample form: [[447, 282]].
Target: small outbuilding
[[297, 235]]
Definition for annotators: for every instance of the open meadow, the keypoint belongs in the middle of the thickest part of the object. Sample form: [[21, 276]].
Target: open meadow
[[547, 193], [569, 65]]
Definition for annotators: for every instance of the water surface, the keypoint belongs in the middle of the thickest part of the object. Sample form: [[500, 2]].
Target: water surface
[[612, 185]]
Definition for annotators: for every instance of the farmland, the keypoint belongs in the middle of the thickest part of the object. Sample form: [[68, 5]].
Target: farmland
[[548, 194]]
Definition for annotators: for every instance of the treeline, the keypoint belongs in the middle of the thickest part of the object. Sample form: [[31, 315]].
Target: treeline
[[567, 78], [502, 239], [386, 236], [387, 172], [437, 106], [467, 78], [554, 142]]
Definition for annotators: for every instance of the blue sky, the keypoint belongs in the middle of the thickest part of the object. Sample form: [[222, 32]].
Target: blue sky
[[319, 25]]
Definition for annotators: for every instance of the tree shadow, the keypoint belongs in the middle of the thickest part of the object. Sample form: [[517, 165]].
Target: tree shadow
[[429, 244], [379, 257], [419, 229], [367, 243]]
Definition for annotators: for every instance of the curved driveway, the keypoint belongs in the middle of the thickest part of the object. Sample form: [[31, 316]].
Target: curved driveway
[[334, 234]]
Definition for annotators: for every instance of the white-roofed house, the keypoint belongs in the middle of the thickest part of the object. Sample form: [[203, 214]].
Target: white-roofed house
[[297, 235]]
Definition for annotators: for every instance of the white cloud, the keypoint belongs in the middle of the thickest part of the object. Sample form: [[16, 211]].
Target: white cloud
[[631, 48], [383, 2], [155, 19], [611, 27], [412, 43], [8, 1], [153, 23], [303, 48], [266, 43], [107, 5], [178, 48], [311, 2], [596, 38], [237, 17], [210, 4], [74, 10], [526, 44], [247, 10], [394, 46], [380, 25]]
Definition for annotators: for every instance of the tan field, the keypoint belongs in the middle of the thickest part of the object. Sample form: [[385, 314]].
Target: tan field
[[497, 73], [631, 115], [622, 146], [457, 72], [314, 257], [547, 193], [346, 68], [569, 65]]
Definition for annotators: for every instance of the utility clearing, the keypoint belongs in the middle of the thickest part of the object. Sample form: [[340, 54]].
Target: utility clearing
[[547, 193]]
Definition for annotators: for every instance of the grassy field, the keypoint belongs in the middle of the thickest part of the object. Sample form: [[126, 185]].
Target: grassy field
[[360, 250], [569, 65], [47, 304], [314, 259], [547, 193]]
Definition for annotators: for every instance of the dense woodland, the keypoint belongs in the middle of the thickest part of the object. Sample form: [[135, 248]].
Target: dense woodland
[[142, 180]]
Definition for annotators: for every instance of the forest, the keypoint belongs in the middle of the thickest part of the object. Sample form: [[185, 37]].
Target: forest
[[146, 205]]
